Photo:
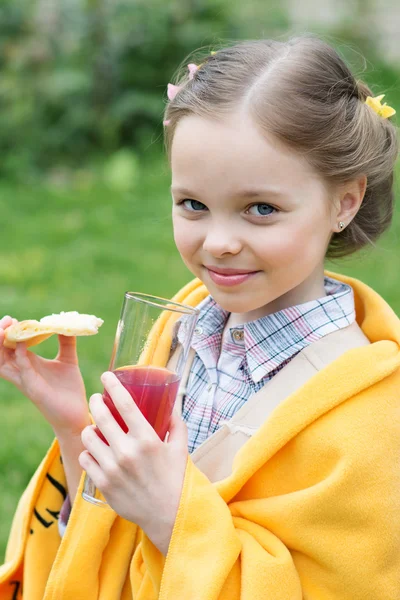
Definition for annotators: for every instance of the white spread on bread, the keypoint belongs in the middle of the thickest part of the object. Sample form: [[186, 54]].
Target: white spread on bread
[[65, 323]]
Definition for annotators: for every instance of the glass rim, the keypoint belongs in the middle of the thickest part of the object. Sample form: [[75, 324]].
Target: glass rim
[[159, 302]]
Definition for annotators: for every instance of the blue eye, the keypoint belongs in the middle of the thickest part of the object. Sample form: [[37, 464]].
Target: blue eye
[[262, 210], [193, 205]]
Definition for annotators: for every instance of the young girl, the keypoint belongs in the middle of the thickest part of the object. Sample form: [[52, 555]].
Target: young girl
[[281, 481]]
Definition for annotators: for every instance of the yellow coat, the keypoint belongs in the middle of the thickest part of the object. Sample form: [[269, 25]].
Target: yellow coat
[[311, 509]]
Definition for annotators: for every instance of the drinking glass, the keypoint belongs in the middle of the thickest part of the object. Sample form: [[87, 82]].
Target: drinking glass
[[150, 351]]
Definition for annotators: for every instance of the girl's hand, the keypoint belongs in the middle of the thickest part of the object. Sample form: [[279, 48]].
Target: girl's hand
[[55, 386], [140, 476]]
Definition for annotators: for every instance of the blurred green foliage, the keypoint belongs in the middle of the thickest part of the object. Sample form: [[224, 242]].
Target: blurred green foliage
[[84, 78]]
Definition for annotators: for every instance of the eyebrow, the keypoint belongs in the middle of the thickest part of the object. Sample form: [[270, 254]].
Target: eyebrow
[[245, 193]]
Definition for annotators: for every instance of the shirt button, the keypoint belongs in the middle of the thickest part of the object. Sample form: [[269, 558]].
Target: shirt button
[[198, 330], [238, 335]]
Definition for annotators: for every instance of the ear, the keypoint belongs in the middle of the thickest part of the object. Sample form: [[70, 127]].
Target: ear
[[349, 199]]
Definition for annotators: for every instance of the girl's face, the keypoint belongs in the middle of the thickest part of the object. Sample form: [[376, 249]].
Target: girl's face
[[251, 218]]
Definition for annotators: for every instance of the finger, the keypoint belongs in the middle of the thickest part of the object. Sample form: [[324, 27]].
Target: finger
[[7, 360], [137, 424], [104, 420], [95, 445], [67, 350], [6, 322], [21, 356], [92, 468], [178, 433], [4, 352]]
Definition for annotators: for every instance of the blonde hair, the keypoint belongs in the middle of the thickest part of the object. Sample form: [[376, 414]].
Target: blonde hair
[[302, 92]]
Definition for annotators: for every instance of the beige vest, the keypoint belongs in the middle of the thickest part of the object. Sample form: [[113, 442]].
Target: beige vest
[[214, 457]]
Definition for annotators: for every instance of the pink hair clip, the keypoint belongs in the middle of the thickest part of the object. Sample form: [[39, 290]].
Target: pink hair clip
[[172, 90], [192, 70]]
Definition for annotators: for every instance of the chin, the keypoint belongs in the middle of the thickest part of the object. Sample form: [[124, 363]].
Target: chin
[[235, 302]]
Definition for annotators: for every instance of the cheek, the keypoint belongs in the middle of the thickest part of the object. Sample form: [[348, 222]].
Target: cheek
[[276, 247], [185, 236], [294, 245]]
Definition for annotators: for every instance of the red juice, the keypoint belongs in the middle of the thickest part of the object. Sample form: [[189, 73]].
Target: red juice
[[154, 390]]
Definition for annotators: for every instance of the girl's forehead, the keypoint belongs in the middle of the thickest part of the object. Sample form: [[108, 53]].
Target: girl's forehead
[[233, 151]]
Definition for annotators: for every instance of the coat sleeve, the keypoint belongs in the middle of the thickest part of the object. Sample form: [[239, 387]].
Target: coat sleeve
[[321, 519]]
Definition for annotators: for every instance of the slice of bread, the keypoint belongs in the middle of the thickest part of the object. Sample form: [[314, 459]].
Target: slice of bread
[[66, 323]]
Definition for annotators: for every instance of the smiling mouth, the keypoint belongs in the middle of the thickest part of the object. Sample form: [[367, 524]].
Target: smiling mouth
[[229, 277], [229, 272]]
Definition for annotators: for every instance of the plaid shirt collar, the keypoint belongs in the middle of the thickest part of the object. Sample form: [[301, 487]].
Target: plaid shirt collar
[[267, 342]]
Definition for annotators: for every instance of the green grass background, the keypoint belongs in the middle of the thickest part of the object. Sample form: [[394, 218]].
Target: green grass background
[[80, 247]]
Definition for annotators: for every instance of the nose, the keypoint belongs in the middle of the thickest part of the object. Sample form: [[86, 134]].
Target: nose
[[222, 239]]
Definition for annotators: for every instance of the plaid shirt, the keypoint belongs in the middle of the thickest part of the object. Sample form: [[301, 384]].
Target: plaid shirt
[[226, 372], [223, 378]]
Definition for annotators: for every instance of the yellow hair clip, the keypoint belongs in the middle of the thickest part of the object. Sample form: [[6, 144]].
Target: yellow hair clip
[[383, 110]]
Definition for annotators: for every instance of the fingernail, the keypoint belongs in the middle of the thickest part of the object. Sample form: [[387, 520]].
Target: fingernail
[[106, 376]]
